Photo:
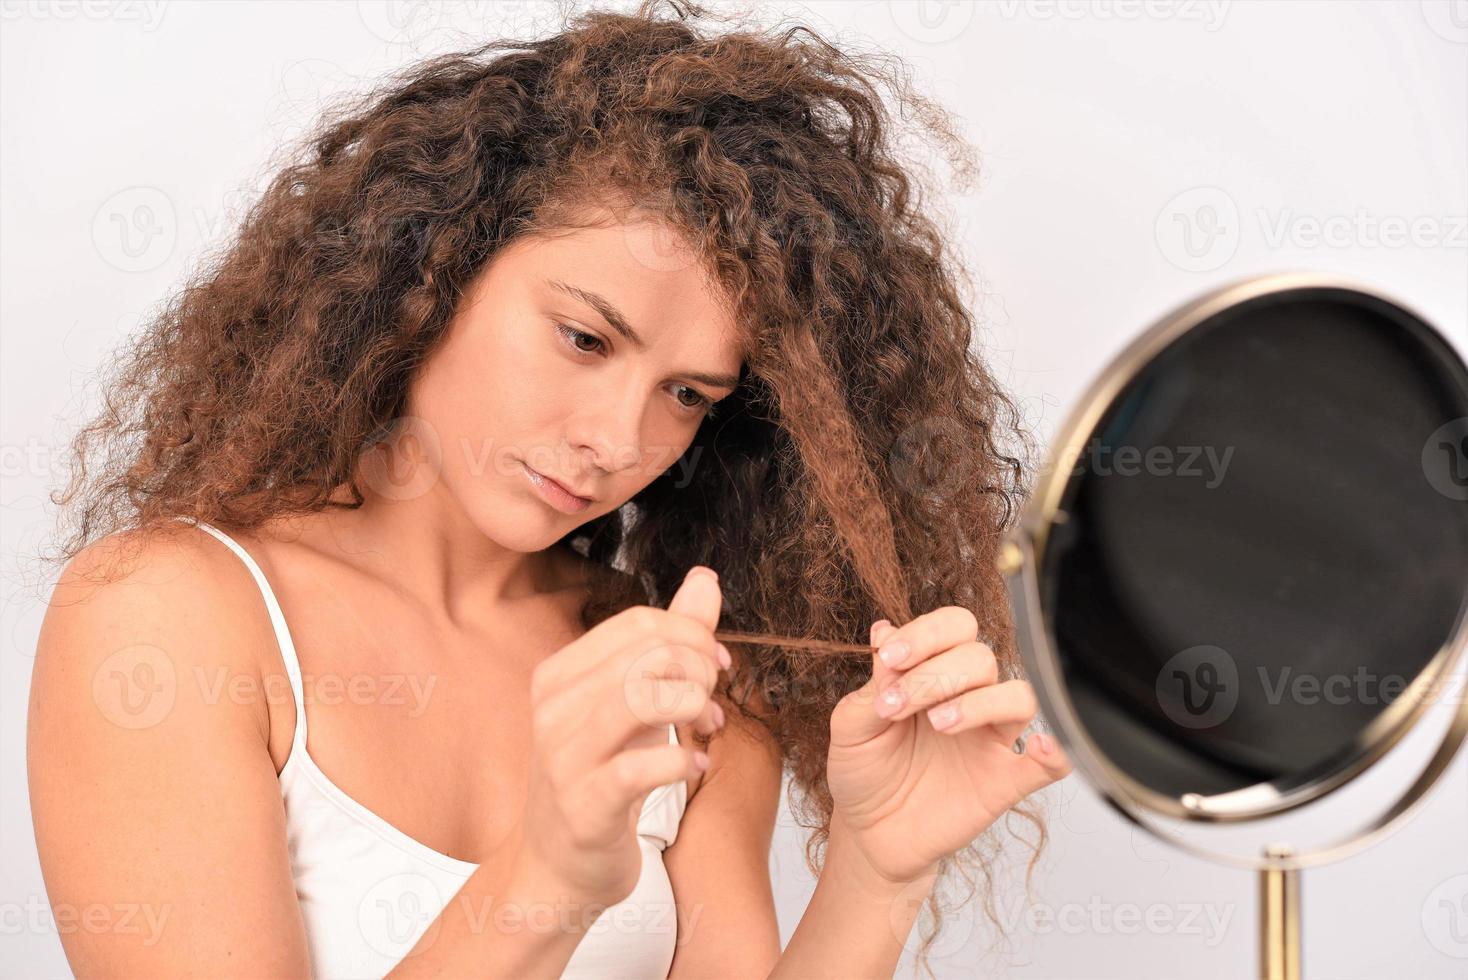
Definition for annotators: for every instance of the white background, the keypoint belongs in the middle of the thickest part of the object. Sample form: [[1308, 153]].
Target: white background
[[1132, 155]]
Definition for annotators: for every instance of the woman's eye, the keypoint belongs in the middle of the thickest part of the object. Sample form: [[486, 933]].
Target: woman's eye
[[574, 337], [699, 401]]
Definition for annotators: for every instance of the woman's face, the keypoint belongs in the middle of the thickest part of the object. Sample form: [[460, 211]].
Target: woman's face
[[591, 357]]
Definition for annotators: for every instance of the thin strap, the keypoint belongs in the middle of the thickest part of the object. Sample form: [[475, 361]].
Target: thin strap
[[277, 620]]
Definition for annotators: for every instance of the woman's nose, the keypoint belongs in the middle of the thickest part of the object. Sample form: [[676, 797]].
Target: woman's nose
[[610, 428]]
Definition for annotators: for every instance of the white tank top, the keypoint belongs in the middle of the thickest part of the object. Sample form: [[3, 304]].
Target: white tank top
[[368, 891]]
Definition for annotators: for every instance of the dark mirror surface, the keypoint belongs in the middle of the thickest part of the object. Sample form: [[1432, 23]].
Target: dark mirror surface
[[1265, 540]]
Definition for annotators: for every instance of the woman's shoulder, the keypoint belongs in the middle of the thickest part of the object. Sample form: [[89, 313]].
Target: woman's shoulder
[[169, 589], [172, 557]]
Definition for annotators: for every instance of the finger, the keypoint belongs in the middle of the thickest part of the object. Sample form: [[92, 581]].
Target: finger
[[630, 628], [671, 660], [856, 718], [640, 714], [1044, 762], [947, 676], [927, 635], [699, 597], [1009, 707], [627, 778]]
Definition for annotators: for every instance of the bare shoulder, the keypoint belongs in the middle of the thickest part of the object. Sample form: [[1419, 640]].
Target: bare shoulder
[[164, 601]]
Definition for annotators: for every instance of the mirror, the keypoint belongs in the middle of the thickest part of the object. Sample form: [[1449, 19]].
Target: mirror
[[1244, 571]]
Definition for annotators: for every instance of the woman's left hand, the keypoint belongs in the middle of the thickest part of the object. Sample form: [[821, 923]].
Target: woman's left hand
[[909, 787]]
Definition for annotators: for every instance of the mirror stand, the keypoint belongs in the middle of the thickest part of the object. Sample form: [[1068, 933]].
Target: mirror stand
[[1279, 915]]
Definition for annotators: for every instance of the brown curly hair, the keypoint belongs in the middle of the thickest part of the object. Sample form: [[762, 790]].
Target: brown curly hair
[[865, 467]]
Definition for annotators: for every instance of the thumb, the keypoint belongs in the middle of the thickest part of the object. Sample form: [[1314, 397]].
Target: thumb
[[858, 720], [699, 597]]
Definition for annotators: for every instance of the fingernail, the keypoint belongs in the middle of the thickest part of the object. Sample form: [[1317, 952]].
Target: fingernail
[[718, 714], [1042, 743], [943, 715], [893, 653], [724, 657], [891, 701], [704, 570], [700, 759]]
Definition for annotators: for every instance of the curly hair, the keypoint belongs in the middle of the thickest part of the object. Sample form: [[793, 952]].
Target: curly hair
[[865, 467]]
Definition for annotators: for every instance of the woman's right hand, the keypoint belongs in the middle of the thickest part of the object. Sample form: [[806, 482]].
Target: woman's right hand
[[600, 710]]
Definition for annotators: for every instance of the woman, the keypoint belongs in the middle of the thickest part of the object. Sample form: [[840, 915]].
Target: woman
[[541, 368]]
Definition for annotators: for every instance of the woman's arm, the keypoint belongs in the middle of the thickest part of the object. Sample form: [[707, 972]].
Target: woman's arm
[[719, 864], [157, 809], [856, 923], [156, 806]]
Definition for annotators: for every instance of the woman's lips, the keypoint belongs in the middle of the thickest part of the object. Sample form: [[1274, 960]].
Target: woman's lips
[[555, 494]]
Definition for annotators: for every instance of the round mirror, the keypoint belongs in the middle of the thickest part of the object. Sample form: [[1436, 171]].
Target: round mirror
[[1245, 569]]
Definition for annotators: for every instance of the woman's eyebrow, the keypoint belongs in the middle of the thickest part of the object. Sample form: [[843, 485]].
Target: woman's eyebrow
[[619, 323], [600, 303]]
